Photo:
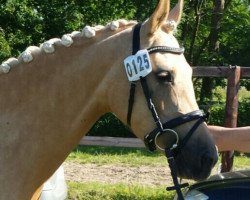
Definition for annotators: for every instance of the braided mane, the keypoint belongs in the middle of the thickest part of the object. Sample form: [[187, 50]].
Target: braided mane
[[67, 40]]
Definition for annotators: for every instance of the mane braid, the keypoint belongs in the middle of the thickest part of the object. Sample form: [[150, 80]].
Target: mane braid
[[67, 40]]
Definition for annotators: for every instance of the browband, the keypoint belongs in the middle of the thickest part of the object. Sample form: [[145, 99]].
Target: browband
[[166, 49]]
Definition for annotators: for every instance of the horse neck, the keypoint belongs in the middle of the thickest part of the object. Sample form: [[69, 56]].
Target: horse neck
[[52, 102], [72, 79]]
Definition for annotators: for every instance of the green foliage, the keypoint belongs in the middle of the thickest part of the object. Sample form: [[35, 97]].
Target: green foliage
[[109, 125], [235, 35], [217, 113], [4, 45], [102, 11], [244, 110], [20, 25], [57, 17]]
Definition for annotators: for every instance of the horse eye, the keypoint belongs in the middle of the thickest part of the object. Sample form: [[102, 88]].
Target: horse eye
[[164, 76]]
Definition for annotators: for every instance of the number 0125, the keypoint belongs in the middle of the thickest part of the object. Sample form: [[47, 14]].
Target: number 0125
[[138, 65]]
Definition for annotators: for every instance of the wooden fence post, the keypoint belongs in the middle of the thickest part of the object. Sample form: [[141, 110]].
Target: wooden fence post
[[231, 114]]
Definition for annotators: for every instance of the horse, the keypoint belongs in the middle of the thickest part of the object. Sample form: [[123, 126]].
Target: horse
[[51, 96]]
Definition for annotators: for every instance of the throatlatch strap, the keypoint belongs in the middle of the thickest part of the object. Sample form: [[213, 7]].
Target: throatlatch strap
[[135, 47], [131, 101]]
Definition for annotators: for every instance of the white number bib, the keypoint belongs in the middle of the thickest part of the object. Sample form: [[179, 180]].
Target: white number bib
[[138, 65]]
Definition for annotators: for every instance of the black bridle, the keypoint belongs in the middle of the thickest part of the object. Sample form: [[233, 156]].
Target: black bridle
[[167, 127]]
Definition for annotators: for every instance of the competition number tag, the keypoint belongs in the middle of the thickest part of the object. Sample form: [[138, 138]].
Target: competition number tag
[[138, 65]]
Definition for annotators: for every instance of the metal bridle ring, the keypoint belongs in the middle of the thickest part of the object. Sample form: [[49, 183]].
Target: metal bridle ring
[[167, 131]]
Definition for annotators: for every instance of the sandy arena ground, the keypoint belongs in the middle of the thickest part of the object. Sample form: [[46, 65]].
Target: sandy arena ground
[[112, 174]]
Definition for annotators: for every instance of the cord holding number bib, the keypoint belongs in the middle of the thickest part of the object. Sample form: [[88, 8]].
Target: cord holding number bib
[[138, 65]]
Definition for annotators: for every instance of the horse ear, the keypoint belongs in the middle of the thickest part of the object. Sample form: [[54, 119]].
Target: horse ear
[[176, 13], [158, 18]]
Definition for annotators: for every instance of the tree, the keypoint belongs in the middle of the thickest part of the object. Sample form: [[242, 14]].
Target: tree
[[18, 22], [213, 47], [6, 52]]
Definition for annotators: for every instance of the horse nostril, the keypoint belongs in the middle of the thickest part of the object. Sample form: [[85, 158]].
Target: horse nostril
[[207, 160]]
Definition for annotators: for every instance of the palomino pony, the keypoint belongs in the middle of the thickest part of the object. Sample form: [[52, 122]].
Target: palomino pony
[[52, 95]]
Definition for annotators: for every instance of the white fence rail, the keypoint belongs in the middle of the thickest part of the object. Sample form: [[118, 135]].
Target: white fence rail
[[111, 141]]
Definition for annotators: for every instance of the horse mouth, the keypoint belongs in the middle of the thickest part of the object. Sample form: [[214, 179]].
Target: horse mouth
[[194, 174], [195, 170], [197, 175]]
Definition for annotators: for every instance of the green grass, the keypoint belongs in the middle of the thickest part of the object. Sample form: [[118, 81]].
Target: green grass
[[116, 155], [133, 157], [97, 191], [241, 161]]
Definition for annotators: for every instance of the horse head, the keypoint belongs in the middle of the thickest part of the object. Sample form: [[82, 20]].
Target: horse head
[[172, 112]]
